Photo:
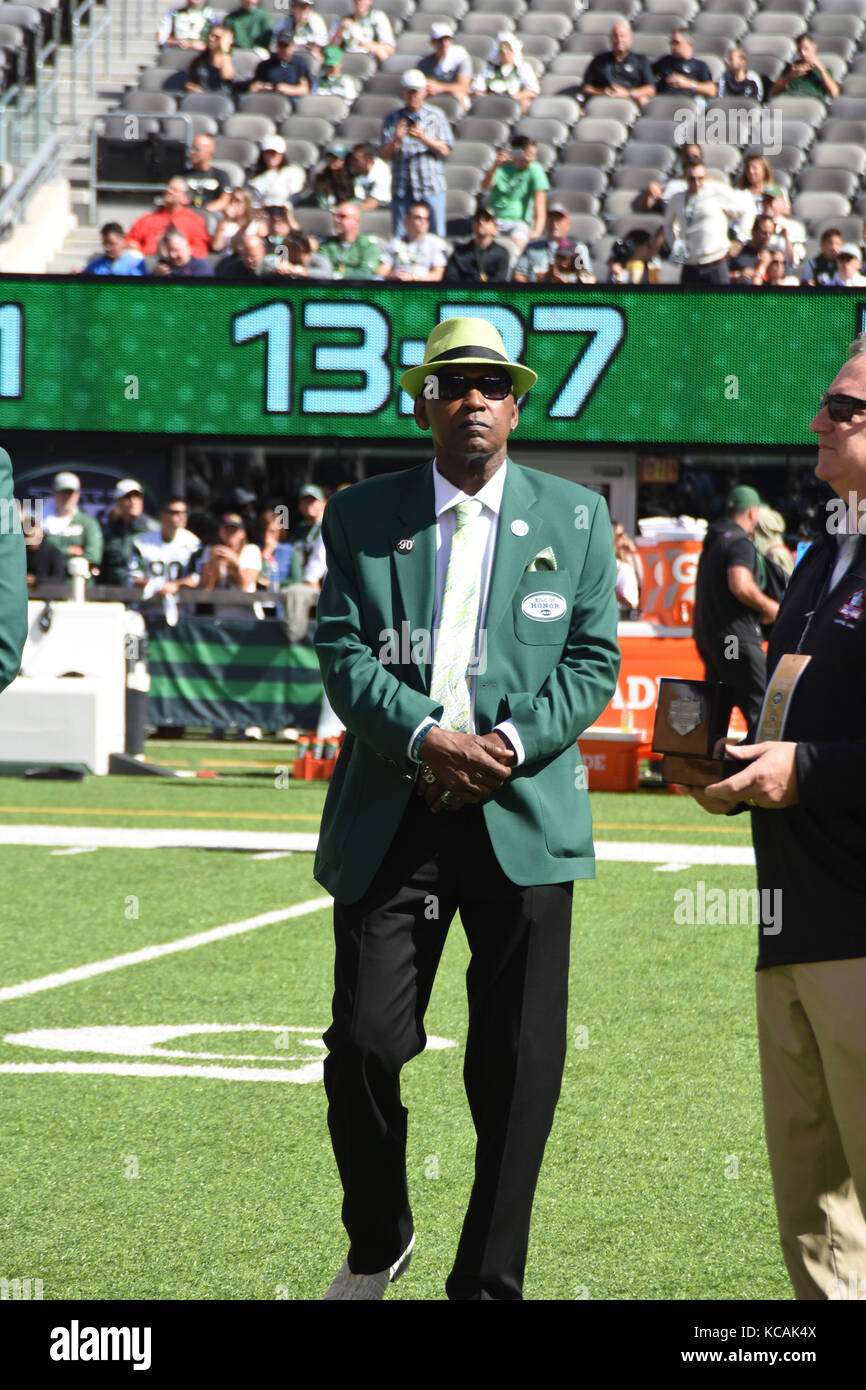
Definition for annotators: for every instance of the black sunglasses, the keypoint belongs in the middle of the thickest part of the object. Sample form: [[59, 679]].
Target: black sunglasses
[[841, 408], [454, 385]]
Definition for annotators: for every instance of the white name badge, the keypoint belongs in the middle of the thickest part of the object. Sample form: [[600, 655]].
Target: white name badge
[[544, 607]]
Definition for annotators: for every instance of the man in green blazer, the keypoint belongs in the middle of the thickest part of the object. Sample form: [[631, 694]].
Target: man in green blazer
[[467, 636], [13, 578]]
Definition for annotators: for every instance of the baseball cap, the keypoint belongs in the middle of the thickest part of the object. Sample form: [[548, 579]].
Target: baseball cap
[[850, 249], [338, 149], [66, 482], [742, 497], [274, 142], [557, 207], [126, 486], [232, 519], [441, 31], [332, 55], [414, 79], [310, 490], [566, 247]]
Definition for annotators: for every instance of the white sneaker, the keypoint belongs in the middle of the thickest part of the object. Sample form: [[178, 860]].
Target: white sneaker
[[347, 1285]]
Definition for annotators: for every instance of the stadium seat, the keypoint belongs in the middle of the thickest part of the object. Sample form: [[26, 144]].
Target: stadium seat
[[555, 23], [475, 152], [211, 103], [809, 109], [158, 79], [563, 109], [235, 173], [176, 58], [842, 132], [484, 128], [384, 84], [686, 8], [245, 64], [302, 152], [855, 85], [153, 103], [547, 156], [242, 152], [597, 21], [464, 177], [654, 46], [568, 7], [823, 26], [585, 43], [725, 157], [332, 109], [187, 126], [730, 26], [829, 154], [847, 108], [509, 9], [357, 128], [746, 8], [636, 176], [850, 227], [842, 7], [316, 222], [555, 84], [842, 181], [810, 206], [578, 201], [585, 227], [543, 129], [859, 206], [788, 159], [459, 208], [479, 22], [250, 127], [607, 130], [646, 130], [569, 64], [658, 156], [377, 222], [416, 40], [760, 46], [616, 108], [539, 48], [372, 105], [497, 106], [361, 66], [665, 107], [577, 176], [801, 7], [477, 45], [660, 22], [450, 107], [595, 154], [619, 203], [777, 22], [272, 104]]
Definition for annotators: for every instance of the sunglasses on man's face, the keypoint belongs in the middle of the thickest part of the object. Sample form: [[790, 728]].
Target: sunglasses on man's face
[[841, 408], [453, 386]]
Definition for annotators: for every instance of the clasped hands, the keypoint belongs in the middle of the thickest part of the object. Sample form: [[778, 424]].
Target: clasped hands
[[465, 768]]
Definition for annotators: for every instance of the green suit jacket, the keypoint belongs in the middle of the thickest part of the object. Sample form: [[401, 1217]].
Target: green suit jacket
[[13, 580], [552, 677]]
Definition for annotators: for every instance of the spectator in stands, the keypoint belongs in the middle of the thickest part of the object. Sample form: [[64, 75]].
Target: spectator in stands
[[208, 185], [72, 530], [126, 520], [849, 264], [308, 29], [806, 76], [655, 197], [365, 30], [172, 211], [508, 74], [232, 563], [481, 258], [250, 27], [353, 255], [628, 571], [246, 261], [757, 181], [681, 71], [334, 82], [176, 261], [738, 79], [311, 506], [820, 269], [45, 561], [419, 254], [118, 257], [448, 68], [275, 179], [633, 260], [186, 26], [517, 185], [538, 256], [619, 72], [371, 177], [297, 258], [775, 272], [287, 70], [269, 530], [213, 70], [280, 224], [790, 231], [701, 217], [239, 213], [334, 184], [565, 265], [417, 140], [746, 259], [164, 558]]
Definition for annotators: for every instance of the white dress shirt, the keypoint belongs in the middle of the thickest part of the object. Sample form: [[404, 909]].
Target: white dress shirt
[[702, 220], [445, 499]]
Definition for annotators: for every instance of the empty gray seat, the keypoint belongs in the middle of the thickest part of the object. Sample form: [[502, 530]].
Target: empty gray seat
[[475, 152], [788, 159], [596, 154], [154, 79], [585, 43], [828, 181], [758, 46], [485, 129], [619, 202], [660, 156], [563, 109], [250, 127], [608, 131], [577, 201], [777, 22], [842, 132], [496, 105], [729, 26], [570, 63], [211, 103], [302, 152], [687, 8], [508, 9], [648, 131], [662, 22], [374, 105], [577, 176], [809, 206], [316, 129], [361, 66], [636, 176], [454, 9], [850, 26], [596, 21], [177, 58], [463, 176], [855, 85], [478, 45], [151, 103], [401, 60], [850, 227], [614, 108], [542, 129], [809, 109], [539, 49], [242, 152], [744, 7], [555, 84], [665, 107], [480, 22], [585, 227], [554, 23], [829, 154], [450, 107], [187, 126], [357, 128], [331, 108], [316, 222], [847, 108], [272, 104]]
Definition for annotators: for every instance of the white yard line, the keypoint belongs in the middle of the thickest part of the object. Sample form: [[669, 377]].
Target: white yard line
[[131, 837], [167, 948], [666, 852]]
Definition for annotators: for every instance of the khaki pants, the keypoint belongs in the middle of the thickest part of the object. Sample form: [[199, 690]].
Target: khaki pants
[[812, 1035]]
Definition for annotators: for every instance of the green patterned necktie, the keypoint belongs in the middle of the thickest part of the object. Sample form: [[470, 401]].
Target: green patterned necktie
[[458, 620]]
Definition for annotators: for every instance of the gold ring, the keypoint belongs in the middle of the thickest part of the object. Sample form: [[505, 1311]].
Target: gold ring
[[450, 799], [428, 776]]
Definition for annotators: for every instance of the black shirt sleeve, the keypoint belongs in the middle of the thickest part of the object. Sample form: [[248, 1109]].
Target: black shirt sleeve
[[596, 74], [738, 550]]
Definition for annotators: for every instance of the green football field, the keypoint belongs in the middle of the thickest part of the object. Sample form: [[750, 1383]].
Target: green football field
[[165, 981]]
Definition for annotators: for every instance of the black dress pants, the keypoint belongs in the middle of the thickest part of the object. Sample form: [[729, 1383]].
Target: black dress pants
[[388, 946]]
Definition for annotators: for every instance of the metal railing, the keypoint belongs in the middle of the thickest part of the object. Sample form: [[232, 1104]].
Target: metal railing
[[41, 168], [84, 15]]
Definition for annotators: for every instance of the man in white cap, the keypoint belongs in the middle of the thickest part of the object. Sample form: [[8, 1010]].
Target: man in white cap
[[449, 67], [72, 530], [417, 139], [126, 521], [849, 264]]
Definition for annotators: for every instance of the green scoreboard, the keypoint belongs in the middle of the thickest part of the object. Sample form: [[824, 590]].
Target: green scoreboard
[[650, 366]]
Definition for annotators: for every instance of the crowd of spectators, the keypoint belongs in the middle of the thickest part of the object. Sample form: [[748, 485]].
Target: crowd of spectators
[[708, 226]]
